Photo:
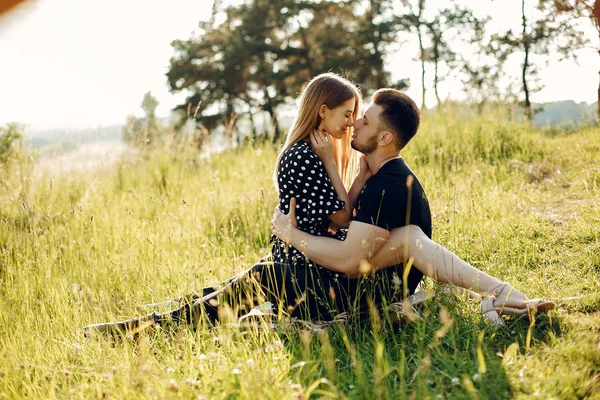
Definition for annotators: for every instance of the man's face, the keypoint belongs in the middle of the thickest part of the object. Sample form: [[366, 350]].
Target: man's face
[[366, 130]]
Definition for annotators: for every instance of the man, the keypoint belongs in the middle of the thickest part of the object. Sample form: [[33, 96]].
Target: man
[[391, 197]]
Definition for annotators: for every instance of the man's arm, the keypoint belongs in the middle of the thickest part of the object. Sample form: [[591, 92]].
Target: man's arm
[[362, 241]]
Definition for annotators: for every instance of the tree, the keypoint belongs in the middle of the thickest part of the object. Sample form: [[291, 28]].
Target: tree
[[454, 23], [263, 52], [142, 131], [229, 68], [549, 31], [149, 104], [16, 165], [8, 137], [588, 9], [133, 130], [413, 20], [482, 70], [481, 81], [435, 35]]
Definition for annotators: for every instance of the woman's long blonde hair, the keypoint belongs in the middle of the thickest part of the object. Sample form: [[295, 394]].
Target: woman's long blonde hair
[[333, 91]]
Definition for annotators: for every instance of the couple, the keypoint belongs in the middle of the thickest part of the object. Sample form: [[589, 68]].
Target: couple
[[336, 250]]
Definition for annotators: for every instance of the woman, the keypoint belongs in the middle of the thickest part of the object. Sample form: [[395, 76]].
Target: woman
[[328, 103], [328, 108]]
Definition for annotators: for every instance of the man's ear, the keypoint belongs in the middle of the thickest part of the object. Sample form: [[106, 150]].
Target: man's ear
[[323, 111], [385, 138]]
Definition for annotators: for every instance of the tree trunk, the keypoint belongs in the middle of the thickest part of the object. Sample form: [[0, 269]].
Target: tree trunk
[[525, 39], [436, 37], [277, 130], [422, 51], [598, 104], [436, 80], [381, 82], [597, 17], [252, 123]]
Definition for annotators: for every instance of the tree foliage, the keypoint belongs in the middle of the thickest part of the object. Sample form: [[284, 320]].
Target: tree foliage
[[257, 55], [9, 135], [547, 31], [589, 10], [142, 131]]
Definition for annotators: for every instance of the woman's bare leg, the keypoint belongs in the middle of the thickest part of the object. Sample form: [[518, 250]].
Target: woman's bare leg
[[438, 263]]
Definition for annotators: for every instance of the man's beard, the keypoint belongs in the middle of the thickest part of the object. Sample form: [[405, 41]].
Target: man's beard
[[366, 148]]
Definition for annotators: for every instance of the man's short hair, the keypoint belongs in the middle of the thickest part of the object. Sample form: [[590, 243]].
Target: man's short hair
[[400, 115]]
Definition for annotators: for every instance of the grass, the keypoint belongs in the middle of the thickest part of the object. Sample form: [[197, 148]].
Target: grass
[[88, 247]]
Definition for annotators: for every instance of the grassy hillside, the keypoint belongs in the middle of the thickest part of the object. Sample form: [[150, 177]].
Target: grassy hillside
[[80, 249]]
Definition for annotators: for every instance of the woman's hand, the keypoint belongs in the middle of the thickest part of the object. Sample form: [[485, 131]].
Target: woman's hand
[[364, 172], [322, 145]]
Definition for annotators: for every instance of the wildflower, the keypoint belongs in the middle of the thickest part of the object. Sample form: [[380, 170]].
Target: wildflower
[[455, 381], [278, 344], [192, 382], [476, 378], [236, 371], [364, 267]]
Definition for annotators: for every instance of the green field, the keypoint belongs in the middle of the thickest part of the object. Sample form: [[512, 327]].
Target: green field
[[93, 246]]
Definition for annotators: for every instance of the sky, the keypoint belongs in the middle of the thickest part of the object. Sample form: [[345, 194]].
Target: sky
[[73, 63]]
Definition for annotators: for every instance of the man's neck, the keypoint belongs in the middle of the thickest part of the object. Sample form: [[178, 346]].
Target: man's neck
[[376, 158]]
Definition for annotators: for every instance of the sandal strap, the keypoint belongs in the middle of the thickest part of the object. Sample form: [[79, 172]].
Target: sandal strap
[[489, 312], [495, 291]]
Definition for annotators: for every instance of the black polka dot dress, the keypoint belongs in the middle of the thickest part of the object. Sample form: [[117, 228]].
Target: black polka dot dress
[[302, 175]]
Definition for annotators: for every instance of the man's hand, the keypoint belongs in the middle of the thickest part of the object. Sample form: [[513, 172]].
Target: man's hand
[[282, 224], [322, 145]]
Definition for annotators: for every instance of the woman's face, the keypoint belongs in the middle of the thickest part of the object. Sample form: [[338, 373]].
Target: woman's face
[[337, 121]]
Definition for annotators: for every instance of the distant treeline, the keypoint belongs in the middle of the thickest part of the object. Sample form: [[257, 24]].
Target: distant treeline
[[560, 114], [72, 137]]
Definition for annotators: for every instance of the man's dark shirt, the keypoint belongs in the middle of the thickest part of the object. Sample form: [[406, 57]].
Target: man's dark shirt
[[393, 198]]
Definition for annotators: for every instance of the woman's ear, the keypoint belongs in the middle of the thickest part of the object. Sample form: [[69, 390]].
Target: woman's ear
[[323, 111]]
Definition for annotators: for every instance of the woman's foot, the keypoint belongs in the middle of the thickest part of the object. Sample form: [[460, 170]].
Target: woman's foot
[[503, 299]]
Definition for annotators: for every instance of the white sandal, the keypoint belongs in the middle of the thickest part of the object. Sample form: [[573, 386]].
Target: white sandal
[[492, 313]]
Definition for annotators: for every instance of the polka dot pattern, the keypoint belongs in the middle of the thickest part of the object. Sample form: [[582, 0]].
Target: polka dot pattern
[[302, 175]]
